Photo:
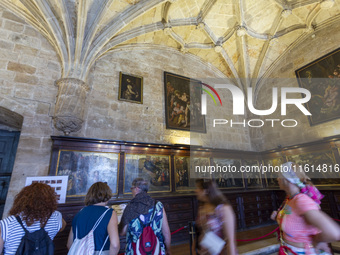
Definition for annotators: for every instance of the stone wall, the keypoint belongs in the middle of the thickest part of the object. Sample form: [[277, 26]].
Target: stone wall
[[110, 118], [29, 68], [283, 75]]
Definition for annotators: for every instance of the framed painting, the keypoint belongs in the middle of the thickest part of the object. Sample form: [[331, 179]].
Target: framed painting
[[252, 176], [271, 175], [321, 78], [183, 103], [130, 88], [227, 174], [319, 166], [84, 168], [185, 174], [153, 168]]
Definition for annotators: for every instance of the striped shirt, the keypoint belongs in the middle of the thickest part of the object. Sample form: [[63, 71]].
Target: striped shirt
[[12, 232]]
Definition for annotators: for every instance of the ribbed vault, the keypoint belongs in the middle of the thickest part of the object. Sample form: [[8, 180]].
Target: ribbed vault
[[242, 38]]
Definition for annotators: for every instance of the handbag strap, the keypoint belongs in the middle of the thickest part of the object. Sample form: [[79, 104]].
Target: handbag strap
[[22, 225], [96, 224], [100, 219], [101, 250]]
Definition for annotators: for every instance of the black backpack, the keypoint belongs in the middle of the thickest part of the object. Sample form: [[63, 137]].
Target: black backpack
[[35, 243]]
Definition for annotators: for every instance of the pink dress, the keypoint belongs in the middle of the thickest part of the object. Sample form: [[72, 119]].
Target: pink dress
[[294, 227]]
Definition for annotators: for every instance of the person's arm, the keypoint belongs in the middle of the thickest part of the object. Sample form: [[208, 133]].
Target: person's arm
[[330, 230], [63, 225], [70, 239], [166, 233], [1, 243], [228, 217], [112, 229]]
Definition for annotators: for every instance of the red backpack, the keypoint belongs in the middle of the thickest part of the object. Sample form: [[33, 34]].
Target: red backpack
[[147, 243]]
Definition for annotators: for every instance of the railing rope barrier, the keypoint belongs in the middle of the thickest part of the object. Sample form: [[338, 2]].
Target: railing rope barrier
[[240, 240], [257, 238], [174, 232]]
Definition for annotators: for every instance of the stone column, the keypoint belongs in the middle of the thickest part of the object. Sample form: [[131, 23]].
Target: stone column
[[70, 105]]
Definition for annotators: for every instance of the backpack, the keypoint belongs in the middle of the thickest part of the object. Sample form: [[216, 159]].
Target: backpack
[[85, 246], [35, 243], [147, 243]]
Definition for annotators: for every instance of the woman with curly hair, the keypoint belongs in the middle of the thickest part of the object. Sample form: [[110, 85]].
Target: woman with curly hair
[[36, 206]]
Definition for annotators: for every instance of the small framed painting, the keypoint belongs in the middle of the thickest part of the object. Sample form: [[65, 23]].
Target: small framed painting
[[130, 88]]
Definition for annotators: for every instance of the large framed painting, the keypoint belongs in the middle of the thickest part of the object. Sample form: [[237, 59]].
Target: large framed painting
[[320, 166], [183, 103], [252, 175], [84, 168], [130, 88], [154, 168], [322, 79], [227, 173], [188, 169], [271, 174]]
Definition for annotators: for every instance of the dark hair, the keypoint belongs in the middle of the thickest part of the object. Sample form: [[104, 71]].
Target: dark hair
[[97, 193], [35, 202], [214, 195], [141, 183]]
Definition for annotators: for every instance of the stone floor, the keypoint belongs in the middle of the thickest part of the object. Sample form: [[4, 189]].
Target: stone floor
[[267, 246]]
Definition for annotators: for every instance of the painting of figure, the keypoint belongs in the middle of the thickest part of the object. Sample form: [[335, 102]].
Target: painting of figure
[[227, 173], [320, 166], [130, 88], [270, 167], [183, 103], [154, 168], [85, 168], [252, 174], [322, 79]]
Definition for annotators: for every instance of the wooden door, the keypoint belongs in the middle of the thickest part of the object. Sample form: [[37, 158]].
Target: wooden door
[[8, 147]]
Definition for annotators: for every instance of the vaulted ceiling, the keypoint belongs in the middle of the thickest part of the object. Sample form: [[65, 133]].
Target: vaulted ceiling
[[242, 38]]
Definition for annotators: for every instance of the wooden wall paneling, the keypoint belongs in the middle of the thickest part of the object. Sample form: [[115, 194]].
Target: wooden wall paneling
[[121, 174], [265, 207], [337, 204], [179, 213], [252, 207], [172, 173], [326, 203]]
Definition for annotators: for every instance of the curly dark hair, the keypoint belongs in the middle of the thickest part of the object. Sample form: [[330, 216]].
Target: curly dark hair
[[35, 202]]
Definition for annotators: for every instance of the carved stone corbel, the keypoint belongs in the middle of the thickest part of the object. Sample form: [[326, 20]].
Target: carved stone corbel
[[70, 105]]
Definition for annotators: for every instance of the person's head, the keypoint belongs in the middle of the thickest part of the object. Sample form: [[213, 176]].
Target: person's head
[[207, 192], [35, 202], [293, 179], [139, 185], [292, 175], [99, 192]]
